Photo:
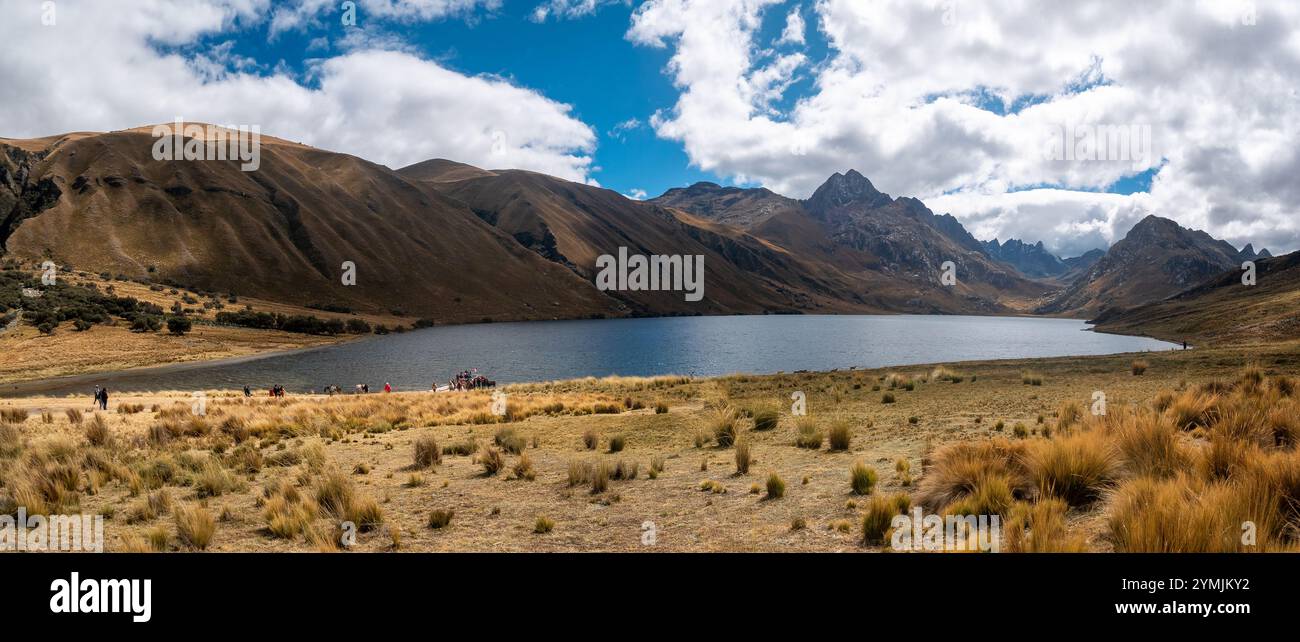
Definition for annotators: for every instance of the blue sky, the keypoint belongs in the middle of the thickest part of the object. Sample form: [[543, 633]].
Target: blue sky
[[584, 62]]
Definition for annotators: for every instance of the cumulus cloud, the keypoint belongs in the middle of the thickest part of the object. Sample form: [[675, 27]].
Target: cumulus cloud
[[569, 9], [959, 103], [794, 28], [100, 68]]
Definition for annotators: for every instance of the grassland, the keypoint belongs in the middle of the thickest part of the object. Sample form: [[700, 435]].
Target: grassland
[[31, 354], [1187, 448]]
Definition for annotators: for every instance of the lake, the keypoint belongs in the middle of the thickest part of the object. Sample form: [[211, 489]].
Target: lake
[[699, 346]]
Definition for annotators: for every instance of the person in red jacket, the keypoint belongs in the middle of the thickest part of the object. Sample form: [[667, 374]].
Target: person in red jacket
[[387, 388]]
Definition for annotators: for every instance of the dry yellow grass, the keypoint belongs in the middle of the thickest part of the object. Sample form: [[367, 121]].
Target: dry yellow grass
[[279, 471]]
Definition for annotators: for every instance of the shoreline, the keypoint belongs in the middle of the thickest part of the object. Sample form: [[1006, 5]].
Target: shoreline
[[39, 388], [33, 387], [43, 386]]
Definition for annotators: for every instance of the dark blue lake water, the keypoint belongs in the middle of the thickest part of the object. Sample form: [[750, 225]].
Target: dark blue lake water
[[702, 346]]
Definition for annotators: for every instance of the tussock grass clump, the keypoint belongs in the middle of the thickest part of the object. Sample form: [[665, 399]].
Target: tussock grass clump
[[946, 374], [213, 480], [775, 486], [1184, 515], [723, 425], [580, 472], [904, 469], [523, 468], [1031, 379], [1076, 468], [590, 440], [862, 478], [426, 453], [150, 508], [1224, 457], [491, 461], [656, 467], [888, 398], [766, 418], [543, 525], [957, 470], [625, 470], [877, 519], [711, 486], [440, 518], [1149, 444], [1040, 527], [600, 474], [992, 496], [156, 538], [462, 449], [97, 433], [13, 415], [616, 443], [74, 416], [743, 457], [336, 495], [11, 441], [1139, 367], [195, 526], [894, 381], [839, 435], [1067, 415], [288, 514], [509, 441], [1193, 409], [808, 434]]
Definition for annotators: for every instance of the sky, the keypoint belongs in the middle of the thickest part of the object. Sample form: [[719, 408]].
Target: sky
[[1052, 121]]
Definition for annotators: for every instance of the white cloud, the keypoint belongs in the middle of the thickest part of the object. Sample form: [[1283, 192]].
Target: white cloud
[[99, 69], [621, 129], [794, 28], [636, 194], [569, 9], [900, 98]]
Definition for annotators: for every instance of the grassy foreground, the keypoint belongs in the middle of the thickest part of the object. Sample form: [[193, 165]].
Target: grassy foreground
[[1192, 445]]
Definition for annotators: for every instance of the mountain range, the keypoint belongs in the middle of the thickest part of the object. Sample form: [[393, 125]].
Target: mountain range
[[457, 243]]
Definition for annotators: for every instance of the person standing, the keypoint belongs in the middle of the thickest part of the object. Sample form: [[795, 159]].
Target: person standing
[[103, 398], [96, 404], [387, 388]]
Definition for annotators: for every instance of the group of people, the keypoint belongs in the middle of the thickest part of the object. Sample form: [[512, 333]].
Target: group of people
[[101, 397], [467, 380]]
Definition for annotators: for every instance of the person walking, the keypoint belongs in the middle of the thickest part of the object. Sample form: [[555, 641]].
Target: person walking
[[247, 391], [96, 403], [103, 398]]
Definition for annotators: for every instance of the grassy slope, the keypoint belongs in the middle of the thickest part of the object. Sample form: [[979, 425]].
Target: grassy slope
[[496, 513], [31, 355], [1222, 310]]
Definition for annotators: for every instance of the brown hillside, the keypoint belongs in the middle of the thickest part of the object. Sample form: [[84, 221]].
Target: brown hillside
[[101, 202]]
